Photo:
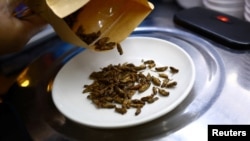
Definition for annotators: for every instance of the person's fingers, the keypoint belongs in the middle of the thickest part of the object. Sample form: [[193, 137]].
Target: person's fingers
[[30, 22], [20, 23], [11, 4], [33, 24]]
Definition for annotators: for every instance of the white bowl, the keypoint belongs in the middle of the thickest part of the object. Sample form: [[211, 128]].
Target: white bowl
[[226, 0], [247, 17], [247, 3], [189, 3], [247, 13], [233, 11], [231, 3], [247, 9], [68, 85]]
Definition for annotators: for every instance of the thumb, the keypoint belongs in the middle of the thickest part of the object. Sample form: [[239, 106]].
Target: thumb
[[31, 22]]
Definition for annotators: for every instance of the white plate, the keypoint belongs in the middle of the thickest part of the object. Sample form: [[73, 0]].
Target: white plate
[[68, 84]]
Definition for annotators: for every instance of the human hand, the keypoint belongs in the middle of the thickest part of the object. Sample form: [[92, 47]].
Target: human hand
[[16, 32]]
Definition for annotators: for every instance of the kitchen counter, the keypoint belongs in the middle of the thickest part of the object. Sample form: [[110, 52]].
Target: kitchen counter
[[221, 93]]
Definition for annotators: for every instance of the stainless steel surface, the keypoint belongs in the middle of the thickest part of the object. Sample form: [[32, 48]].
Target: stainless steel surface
[[221, 93]]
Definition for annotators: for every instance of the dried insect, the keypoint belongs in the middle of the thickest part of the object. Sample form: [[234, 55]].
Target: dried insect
[[137, 101], [149, 62], [156, 81], [88, 38], [148, 77], [127, 78], [152, 100], [161, 69], [163, 92], [103, 44], [115, 85], [136, 87], [173, 70], [144, 87], [121, 110], [154, 90], [171, 84], [141, 67], [138, 111], [165, 83], [72, 18], [126, 103], [119, 48], [134, 105], [151, 66], [108, 105], [102, 41], [163, 75], [131, 93]]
